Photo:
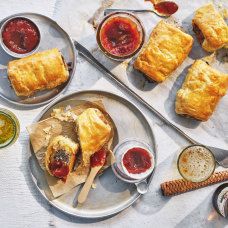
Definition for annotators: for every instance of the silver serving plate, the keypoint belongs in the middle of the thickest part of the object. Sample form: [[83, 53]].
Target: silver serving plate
[[52, 36], [111, 194]]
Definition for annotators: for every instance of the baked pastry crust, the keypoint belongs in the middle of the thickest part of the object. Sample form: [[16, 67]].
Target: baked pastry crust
[[93, 132], [212, 26], [64, 144], [166, 49], [201, 91], [43, 70]]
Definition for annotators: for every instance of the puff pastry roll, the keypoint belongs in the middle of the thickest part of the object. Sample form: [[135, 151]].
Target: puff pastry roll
[[43, 70], [93, 132], [166, 49], [201, 91], [210, 28], [60, 156]]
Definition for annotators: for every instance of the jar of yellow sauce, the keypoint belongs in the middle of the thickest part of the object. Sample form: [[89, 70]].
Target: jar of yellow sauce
[[9, 128]]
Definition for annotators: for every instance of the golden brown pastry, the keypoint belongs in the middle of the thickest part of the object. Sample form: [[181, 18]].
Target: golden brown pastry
[[201, 91], [60, 156], [167, 48], [94, 132], [210, 28], [43, 70]]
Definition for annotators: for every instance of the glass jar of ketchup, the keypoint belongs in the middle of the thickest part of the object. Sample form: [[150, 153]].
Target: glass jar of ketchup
[[120, 35]]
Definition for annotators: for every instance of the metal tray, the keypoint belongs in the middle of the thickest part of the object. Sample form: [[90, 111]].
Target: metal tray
[[52, 35], [111, 194]]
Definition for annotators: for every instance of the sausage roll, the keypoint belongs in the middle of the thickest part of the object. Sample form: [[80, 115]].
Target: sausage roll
[[43, 70], [93, 131], [201, 91], [60, 156], [167, 48], [210, 28]]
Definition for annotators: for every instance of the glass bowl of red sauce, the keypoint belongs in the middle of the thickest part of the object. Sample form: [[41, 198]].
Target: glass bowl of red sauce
[[20, 36], [120, 35], [135, 160]]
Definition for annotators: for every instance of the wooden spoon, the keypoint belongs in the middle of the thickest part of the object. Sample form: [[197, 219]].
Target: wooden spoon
[[97, 160]]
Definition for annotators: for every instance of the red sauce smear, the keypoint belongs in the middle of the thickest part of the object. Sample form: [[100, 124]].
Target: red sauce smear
[[120, 36], [198, 33], [98, 158], [137, 160], [166, 7], [59, 169], [20, 35]]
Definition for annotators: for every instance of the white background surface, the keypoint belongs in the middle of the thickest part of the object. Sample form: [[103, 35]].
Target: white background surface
[[21, 205]]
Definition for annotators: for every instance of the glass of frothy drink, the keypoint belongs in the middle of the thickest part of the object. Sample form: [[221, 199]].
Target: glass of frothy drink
[[196, 163]]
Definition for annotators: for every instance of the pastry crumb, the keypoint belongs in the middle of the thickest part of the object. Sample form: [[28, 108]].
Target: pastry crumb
[[47, 129], [64, 114], [94, 185]]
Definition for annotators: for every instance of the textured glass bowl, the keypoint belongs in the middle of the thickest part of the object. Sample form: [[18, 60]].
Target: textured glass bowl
[[120, 149], [131, 17], [16, 125]]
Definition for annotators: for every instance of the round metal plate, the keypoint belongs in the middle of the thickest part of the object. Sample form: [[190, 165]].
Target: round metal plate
[[52, 36], [111, 194]]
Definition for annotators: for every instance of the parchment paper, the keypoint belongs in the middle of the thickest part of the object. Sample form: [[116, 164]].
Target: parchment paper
[[43, 132]]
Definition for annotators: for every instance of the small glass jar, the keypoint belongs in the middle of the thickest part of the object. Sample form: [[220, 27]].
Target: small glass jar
[[14, 123], [119, 152], [125, 39]]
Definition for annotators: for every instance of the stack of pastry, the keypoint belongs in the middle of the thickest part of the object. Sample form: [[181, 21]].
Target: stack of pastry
[[93, 131]]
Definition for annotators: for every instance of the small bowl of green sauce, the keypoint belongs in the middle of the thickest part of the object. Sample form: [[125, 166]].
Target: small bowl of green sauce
[[9, 128]]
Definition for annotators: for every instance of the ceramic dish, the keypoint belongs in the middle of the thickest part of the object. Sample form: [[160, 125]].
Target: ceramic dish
[[52, 36], [132, 19], [111, 194]]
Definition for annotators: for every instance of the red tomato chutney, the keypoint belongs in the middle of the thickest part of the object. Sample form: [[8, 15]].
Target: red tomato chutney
[[137, 160], [98, 158], [120, 36], [59, 169], [166, 7], [20, 35]]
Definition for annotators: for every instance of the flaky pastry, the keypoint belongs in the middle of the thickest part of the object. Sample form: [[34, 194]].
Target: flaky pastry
[[166, 49], [60, 156], [210, 28], [93, 132], [43, 70], [201, 91]]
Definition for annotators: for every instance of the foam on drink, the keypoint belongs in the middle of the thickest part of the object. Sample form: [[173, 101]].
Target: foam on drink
[[196, 163]]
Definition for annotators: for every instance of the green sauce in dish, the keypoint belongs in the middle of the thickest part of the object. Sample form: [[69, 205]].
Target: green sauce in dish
[[7, 128]]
